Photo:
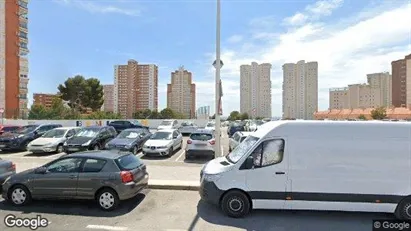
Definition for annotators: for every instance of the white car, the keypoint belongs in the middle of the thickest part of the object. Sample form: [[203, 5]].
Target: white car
[[236, 139], [52, 141], [210, 126], [163, 143], [168, 124]]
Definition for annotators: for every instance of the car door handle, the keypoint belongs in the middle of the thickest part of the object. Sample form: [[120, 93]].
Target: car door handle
[[73, 176], [279, 173]]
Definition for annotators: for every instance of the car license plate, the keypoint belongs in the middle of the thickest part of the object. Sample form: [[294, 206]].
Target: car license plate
[[73, 149], [200, 144]]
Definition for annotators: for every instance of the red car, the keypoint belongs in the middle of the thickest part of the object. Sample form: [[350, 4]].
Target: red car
[[8, 128]]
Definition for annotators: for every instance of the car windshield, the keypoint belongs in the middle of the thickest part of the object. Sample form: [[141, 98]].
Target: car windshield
[[210, 125], [129, 134], [166, 123], [9, 129], [26, 129], [186, 124], [161, 136], [201, 136], [241, 149], [55, 133], [87, 132]]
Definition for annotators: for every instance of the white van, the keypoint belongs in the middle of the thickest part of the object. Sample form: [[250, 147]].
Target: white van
[[315, 165]]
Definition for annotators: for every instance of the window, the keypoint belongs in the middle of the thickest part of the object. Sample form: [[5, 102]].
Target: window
[[93, 165], [67, 165], [271, 151], [128, 162]]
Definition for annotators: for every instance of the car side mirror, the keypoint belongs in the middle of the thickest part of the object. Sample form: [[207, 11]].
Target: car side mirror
[[249, 162], [40, 170]]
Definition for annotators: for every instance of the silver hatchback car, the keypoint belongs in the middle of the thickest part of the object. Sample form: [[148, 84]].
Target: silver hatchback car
[[200, 143]]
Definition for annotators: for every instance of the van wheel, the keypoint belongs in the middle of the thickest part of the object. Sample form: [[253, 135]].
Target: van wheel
[[403, 211], [235, 204]]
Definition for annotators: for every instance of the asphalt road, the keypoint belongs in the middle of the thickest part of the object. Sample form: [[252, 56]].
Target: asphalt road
[[180, 210]]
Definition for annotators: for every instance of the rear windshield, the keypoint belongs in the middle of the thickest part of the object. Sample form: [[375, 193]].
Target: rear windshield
[[9, 129], [128, 162], [201, 136]]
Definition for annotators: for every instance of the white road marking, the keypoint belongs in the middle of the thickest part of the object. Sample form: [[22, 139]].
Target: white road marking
[[182, 153], [106, 227]]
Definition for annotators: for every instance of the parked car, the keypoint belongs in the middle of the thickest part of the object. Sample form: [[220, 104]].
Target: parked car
[[53, 140], [200, 143], [210, 126], [163, 143], [236, 139], [131, 140], [7, 169], [121, 125], [90, 138], [105, 176], [20, 138], [235, 127], [187, 128], [168, 124], [8, 128]]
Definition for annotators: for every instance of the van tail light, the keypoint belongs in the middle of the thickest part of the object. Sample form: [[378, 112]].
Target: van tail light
[[12, 167], [212, 142], [126, 176], [189, 142]]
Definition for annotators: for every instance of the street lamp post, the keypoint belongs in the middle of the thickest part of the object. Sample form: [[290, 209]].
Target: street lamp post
[[217, 65]]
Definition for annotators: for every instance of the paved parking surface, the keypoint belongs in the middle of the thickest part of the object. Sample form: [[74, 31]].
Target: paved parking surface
[[181, 210]]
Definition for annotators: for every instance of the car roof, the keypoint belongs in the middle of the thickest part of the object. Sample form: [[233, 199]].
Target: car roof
[[207, 131], [95, 126], [67, 128], [245, 133], [103, 154], [167, 130]]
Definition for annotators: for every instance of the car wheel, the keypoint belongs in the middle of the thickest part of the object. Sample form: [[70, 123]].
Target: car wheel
[[60, 148], [19, 195], [108, 199], [403, 211], [235, 204]]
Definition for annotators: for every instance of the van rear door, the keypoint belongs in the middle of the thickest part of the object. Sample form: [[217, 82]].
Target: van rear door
[[267, 181]]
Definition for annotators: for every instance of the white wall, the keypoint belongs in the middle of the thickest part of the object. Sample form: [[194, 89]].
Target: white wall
[[153, 124]]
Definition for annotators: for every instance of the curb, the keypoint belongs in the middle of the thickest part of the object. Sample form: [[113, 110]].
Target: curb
[[174, 185]]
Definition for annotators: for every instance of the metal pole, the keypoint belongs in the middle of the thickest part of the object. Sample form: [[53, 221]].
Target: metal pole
[[217, 86]]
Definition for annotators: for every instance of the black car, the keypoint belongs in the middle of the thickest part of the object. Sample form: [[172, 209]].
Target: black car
[[90, 138], [121, 125], [235, 127], [131, 139], [18, 139]]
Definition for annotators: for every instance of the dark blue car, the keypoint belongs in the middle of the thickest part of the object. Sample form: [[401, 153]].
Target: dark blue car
[[235, 127]]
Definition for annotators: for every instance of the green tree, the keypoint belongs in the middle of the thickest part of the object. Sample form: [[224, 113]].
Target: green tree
[[57, 110], [244, 116], [167, 113], [259, 118], [155, 115], [73, 91], [362, 117], [93, 95], [379, 113], [234, 115], [138, 115], [146, 113], [38, 112]]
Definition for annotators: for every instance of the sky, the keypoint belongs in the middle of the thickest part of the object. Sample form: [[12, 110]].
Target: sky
[[348, 39]]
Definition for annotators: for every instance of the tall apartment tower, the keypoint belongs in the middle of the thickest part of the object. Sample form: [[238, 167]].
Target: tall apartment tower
[[135, 88], [300, 90], [383, 82], [13, 58], [401, 72], [181, 93], [108, 91], [255, 93]]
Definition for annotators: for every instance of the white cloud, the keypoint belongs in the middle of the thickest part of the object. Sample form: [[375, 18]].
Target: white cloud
[[314, 12], [100, 8], [345, 52], [235, 39]]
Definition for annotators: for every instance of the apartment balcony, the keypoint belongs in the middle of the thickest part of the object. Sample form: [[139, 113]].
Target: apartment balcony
[[23, 51], [23, 10], [23, 90], [23, 28], [25, 1], [24, 40]]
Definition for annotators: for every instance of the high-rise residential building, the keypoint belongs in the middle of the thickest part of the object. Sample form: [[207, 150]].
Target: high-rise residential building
[[135, 88], [108, 91], [383, 82], [255, 93], [181, 93], [300, 90], [43, 99], [339, 98], [13, 58], [401, 71]]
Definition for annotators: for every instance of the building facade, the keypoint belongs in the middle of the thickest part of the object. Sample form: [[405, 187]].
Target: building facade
[[203, 112], [339, 98], [255, 93], [181, 93], [383, 82], [300, 90], [45, 100], [135, 88], [13, 58], [399, 81], [108, 91]]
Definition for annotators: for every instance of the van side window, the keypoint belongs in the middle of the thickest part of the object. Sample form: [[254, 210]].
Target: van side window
[[269, 152]]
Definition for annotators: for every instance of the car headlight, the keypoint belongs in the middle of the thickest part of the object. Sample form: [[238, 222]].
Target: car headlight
[[87, 143], [211, 177]]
